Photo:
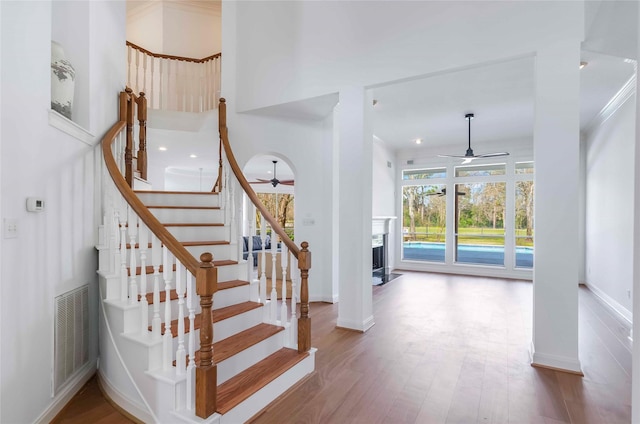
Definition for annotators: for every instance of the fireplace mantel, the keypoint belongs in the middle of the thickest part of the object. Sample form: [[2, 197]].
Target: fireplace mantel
[[381, 224]]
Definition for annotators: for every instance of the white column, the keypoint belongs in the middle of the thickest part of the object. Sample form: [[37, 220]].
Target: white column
[[556, 152], [635, 359], [355, 157]]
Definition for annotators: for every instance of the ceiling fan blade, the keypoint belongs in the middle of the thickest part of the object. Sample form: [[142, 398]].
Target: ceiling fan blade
[[259, 182], [287, 182], [453, 156], [493, 155]]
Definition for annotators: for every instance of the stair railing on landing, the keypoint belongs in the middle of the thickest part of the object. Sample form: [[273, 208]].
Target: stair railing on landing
[[300, 329], [128, 223], [174, 82]]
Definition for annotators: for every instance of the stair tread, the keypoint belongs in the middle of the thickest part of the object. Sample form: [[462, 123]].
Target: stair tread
[[192, 224], [182, 207], [177, 192], [174, 295], [217, 315], [205, 243], [240, 387], [222, 262]]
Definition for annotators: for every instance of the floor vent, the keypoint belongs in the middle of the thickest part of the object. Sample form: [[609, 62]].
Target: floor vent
[[71, 336]]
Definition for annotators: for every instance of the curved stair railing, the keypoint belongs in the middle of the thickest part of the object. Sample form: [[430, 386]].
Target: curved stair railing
[[300, 329], [129, 223], [302, 254], [141, 251], [174, 82]]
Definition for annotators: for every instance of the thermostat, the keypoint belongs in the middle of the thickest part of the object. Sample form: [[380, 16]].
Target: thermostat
[[34, 204]]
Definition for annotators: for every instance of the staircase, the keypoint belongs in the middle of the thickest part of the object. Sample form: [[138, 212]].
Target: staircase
[[156, 310]]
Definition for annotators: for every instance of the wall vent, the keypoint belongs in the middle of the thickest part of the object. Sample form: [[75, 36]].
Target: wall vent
[[71, 335]]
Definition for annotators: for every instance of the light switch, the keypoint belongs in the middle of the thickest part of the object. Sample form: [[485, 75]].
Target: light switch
[[10, 228]]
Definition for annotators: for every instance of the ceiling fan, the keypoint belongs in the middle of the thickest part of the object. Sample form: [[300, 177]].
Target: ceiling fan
[[274, 181], [469, 156], [443, 192]]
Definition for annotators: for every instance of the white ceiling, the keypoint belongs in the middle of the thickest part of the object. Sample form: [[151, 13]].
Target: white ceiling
[[500, 95]]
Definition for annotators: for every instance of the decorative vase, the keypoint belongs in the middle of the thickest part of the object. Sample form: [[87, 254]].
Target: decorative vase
[[62, 81]]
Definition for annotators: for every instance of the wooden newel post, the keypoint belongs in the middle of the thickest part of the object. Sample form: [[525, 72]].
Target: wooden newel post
[[142, 147], [206, 371], [128, 151], [222, 123], [304, 322]]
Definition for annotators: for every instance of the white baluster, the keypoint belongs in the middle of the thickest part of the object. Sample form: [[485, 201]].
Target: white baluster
[[167, 339], [133, 233], [144, 72], [293, 331], [160, 90], [191, 368], [114, 238], [250, 250], [137, 88], [143, 242], [122, 215], [263, 263], [152, 87], [283, 310], [181, 354], [129, 66], [274, 282], [156, 260]]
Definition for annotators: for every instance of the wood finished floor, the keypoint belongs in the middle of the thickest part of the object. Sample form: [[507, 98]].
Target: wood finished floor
[[447, 349]]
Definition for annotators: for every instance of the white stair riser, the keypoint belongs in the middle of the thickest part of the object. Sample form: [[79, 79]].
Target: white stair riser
[[232, 272], [225, 328], [200, 233], [248, 357], [188, 215], [256, 402], [219, 252], [221, 299], [179, 199]]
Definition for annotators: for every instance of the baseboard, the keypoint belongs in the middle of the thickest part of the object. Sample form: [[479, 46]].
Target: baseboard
[[356, 326], [67, 393], [555, 362], [325, 299], [136, 410], [611, 303]]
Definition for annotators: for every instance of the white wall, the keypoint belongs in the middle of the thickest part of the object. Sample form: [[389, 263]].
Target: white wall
[[174, 28], [384, 179], [54, 251], [286, 52], [609, 207]]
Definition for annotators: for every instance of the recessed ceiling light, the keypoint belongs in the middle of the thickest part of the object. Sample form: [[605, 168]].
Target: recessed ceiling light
[[193, 156], [375, 102], [269, 172], [162, 149], [418, 141], [583, 64]]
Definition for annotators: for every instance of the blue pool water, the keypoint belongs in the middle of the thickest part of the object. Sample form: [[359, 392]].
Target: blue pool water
[[472, 254]]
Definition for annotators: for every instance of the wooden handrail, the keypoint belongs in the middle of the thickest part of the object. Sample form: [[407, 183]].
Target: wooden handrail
[[168, 56], [224, 136], [177, 249]]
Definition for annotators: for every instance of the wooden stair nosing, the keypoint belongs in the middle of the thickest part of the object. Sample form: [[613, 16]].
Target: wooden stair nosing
[[209, 193], [192, 224], [182, 207], [149, 268], [240, 387], [217, 316], [174, 295]]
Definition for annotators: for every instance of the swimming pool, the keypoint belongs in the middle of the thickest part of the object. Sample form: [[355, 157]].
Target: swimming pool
[[467, 253]]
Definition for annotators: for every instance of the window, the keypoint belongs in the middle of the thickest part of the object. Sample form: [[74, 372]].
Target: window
[[424, 222], [524, 224], [480, 213], [280, 206], [424, 174], [480, 170]]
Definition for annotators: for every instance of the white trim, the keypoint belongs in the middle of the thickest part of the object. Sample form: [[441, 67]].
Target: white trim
[[611, 303], [74, 130], [67, 393], [554, 361], [322, 298], [358, 326], [624, 94], [137, 410]]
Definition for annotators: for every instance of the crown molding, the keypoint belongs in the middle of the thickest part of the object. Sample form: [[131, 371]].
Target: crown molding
[[139, 8], [624, 94], [209, 7]]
